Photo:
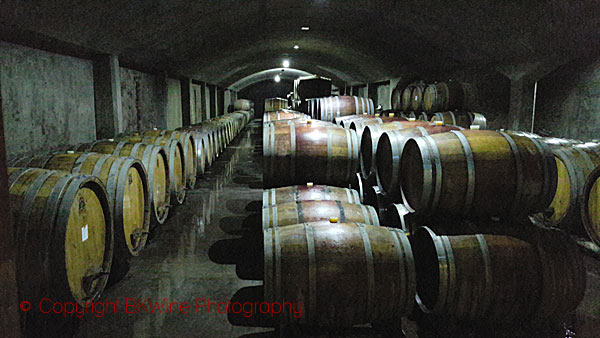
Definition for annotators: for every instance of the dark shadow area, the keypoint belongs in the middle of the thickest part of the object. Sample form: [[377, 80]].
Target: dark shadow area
[[227, 251], [254, 206], [251, 263], [251, 316], [233, 225]]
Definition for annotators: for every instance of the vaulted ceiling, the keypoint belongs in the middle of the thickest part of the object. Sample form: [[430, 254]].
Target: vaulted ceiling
[[225, 41]]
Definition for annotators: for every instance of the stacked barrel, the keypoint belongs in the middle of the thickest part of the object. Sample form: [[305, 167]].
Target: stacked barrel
[[465, 194], [82, 215], [449, 102]]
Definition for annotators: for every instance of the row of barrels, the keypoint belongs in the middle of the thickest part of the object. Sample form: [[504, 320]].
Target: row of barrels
[[275, 104], [308, 249], [79, 214], [435, 97], [328, 108]]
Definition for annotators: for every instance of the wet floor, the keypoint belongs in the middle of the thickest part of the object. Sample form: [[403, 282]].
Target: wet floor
[[188, 261]]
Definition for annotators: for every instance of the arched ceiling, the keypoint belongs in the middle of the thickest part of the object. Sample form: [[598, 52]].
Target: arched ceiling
[[269, 74], [224, 41]]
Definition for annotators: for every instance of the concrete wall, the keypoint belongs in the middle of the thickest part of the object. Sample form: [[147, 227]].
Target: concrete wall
[[197, 103], [173, 104], [383, 97], [568, 101], [143, 99], [48, 100]]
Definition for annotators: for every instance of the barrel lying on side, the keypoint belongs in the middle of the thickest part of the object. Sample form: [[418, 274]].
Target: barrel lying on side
[[360, 125], [310, 211], [334, 106], [445, 96], [574, 164], [461, 119], [301, 153], [126, 183], [385, 154], [477, 173], [155, 161], [497, 278], [63, 233], [590, 206], [309, 192], [174, 151], [283, 115], [306, 262], [189, 151]]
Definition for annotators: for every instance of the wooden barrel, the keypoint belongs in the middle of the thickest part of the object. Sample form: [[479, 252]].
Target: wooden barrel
[[155, 161], [63, 233], [416, 100], [297, 212], [396, 99], [406, 98], [574, 165], [335, 106], [461, 119], [126, 184], [306, 262], [423, 116], [301, 153], [309, 192], [476, 277], [174, 151], [202, 147], [445, 96], [484, 173], [243, 104], [590, 206], [391, 149], [275, 104], [360, 125], [283, 115], [499, 279], [340, 120], [189, 151]]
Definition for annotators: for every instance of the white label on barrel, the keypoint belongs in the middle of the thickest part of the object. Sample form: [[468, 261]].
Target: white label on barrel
[[84, 233], [474, 127]]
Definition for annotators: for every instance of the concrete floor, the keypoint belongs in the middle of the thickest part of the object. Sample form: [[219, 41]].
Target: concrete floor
[[180, 264]]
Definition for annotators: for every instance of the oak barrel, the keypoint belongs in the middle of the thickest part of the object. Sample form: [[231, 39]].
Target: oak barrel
[[477, 173], [406, 98], [384, 146], [189, 151], [243, 104], [297, 212], [283, 115], [309, 192], [275, 103], [63, 233], [416, 99], [444, 96], [590, 206], [461, 119], [335, 106], [307, 262], [308, 152], [155, 161], [126, 184], [396, 99], [360, 125], [174, 150]]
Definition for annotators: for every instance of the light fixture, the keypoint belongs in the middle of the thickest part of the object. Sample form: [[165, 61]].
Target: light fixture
[[296, 46], [305, 28], [286, 63], [277, 78]]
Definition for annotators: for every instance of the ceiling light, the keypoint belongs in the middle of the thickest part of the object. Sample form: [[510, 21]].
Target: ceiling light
[[277, 78], [286, 63], [305, 28], [296, 46]]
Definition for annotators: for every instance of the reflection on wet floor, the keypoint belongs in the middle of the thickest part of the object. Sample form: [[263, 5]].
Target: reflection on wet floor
[[191, 258]]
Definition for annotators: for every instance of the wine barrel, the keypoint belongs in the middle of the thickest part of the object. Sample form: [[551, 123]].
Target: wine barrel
[[126, 184], [335, 106], [275, 104], [189, 151], [485, 173], [243, 104], [462, 119], [590, 206], [63, 235], [174, 151], [284, 115], [155, 162], [574, 165], [423, 116], [297, 212], [406, 98], [370, 137], [306, 262], [360, 125], [396, 99], [309, 192], [416, 100], [498, 278], [202, 147], [445, 96], [340, 120], [308, 152], [382, 147]]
